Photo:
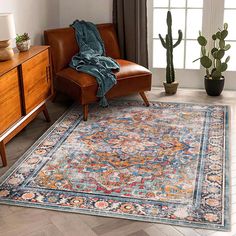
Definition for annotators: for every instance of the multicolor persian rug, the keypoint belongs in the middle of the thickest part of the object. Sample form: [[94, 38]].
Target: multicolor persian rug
[[166, 163]]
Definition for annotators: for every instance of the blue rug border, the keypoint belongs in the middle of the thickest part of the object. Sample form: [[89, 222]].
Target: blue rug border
[[227, 197]]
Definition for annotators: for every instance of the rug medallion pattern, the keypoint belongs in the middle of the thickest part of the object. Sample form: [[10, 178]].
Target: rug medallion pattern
[[165, 163]]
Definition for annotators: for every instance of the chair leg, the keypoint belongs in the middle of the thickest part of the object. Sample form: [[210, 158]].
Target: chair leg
[[3, 154], [46, 115], [142, 94], [85, 112]]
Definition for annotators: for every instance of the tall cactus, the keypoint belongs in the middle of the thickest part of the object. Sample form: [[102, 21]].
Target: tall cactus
[[168, 45]]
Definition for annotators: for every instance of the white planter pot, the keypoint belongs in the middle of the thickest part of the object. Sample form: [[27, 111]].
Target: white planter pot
[[23, 46]]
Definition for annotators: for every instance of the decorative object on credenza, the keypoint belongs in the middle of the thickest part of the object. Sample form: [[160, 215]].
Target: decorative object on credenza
[[168, 163], [7, 32], [170, 85], [212, 61], [23, 42]]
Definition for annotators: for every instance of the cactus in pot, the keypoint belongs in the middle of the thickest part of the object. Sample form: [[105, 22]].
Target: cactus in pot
[[170, 84], [213, 61]]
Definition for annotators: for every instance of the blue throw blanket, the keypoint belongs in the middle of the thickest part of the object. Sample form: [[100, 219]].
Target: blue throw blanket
[[92, 60]]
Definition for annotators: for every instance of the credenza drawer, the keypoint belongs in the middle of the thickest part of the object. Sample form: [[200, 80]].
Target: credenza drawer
[[36, 80], [25, 86], [10, 102]]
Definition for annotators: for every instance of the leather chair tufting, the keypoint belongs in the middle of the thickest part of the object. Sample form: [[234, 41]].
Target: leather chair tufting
[[132, 78]]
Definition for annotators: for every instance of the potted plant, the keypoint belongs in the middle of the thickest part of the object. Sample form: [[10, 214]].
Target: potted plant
[[23, 42], [213, 61], [170, 85]]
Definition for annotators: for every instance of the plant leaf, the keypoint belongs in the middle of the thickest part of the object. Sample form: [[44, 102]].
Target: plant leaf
[[222, 44], [218, 64], [214, 37], [216, 75], [225, 26], [227, 47], [224, 67], [203, 50], [227, 59], [220, 54], [202, 40], [197, 59], [206, 62], [213, 51], [218, 35], [224, 34]]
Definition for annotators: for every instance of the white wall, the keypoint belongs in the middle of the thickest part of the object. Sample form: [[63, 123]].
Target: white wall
[[33, 16], [96, 11]]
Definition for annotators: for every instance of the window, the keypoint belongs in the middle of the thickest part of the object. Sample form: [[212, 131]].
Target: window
[[190, 16], [229, 17], [185, 15]]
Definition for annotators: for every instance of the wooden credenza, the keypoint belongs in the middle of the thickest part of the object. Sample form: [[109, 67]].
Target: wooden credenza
[[25, 86]]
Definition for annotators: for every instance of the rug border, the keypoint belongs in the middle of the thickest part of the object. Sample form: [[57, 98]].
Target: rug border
[[36, 143], [227, 197]]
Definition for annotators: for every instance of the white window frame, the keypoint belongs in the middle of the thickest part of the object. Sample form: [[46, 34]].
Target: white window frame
[[213, 17], [185, 39]]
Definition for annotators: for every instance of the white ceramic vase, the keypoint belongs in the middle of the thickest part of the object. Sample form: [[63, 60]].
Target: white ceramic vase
[[23, 46]]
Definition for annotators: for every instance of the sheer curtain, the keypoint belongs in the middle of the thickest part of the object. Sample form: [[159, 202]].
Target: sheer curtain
[[130, 18]]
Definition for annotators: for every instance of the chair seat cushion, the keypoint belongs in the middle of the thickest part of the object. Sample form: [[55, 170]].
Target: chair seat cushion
[[82, 87], [130, 69], [127, 70]]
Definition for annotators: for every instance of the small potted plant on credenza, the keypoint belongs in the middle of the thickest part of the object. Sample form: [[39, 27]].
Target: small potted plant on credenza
[[213, 61], [23, 42]]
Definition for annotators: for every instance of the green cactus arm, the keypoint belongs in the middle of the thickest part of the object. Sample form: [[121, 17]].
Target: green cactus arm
[[197, 59], [208, 73], [224, 34], [216, 74], [225, 26], [227, 47], [224, 67], [202, 41], [206, 62], [162, 41], [227, 59], [169, 19], [179, 39]]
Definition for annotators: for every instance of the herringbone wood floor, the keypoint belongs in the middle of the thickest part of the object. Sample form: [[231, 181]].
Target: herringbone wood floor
[[20, 221]]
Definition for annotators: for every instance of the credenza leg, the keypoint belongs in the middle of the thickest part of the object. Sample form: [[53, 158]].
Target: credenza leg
[[3, 154], [46, 115]]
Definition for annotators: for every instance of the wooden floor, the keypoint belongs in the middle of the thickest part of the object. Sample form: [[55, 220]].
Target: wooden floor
[[20, 221]]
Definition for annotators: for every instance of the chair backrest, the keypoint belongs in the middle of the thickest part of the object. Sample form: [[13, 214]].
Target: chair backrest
[[64, 46]]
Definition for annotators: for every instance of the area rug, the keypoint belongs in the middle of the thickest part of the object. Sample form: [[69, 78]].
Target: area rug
[[165, 163]]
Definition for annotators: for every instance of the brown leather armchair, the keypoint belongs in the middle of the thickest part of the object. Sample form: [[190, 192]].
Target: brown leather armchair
[[131, 78]]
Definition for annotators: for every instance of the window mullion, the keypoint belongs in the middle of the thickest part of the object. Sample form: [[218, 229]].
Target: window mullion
[[217, 14], [185, 33], [208, 25]]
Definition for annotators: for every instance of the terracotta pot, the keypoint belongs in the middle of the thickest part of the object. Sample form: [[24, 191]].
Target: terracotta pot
[[214, 87], [23, 46], [170, 88]]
